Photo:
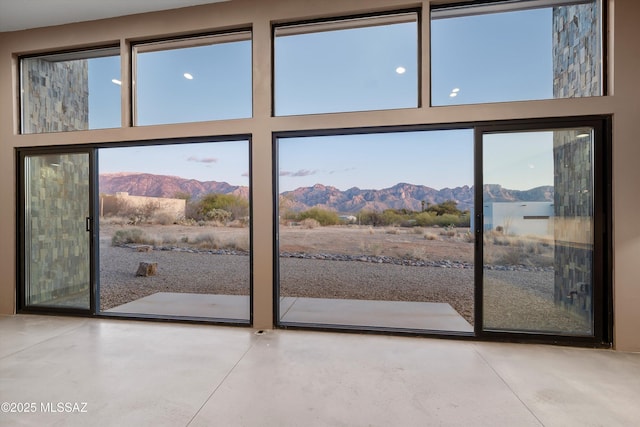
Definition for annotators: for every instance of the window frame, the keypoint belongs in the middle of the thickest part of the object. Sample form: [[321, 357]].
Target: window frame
[[102, 51], [468, 8], [344, 22], [183, 42]]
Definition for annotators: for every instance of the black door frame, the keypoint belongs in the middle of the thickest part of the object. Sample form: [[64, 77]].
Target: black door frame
[[602, 246], [602, 258]]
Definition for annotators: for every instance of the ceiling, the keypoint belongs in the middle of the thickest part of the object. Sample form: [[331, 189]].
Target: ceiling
[[25, 14]]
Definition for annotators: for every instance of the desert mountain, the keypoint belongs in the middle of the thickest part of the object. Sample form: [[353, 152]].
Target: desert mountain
[[145, 184], [400, 196]]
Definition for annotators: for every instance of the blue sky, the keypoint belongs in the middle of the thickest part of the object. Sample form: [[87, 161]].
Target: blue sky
[[484, 58], [226, 161], [436, 159], [491, 58]]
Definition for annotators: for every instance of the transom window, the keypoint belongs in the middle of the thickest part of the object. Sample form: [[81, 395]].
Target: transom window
[[354, 64], [195, 79], [515, 51]]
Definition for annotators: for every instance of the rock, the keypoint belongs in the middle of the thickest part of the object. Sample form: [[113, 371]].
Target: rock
[[146, 268], [144, 248]]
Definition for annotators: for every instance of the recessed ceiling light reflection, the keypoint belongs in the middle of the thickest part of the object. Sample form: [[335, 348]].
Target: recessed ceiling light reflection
[[401, 70], [583, 135], [455, 90], [116, 82], [188, 76], [453, 94]]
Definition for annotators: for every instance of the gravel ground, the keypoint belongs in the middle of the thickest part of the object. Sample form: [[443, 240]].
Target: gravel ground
[[513, 299]]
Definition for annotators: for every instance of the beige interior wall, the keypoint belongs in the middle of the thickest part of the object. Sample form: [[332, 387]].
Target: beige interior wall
[[260, 14]]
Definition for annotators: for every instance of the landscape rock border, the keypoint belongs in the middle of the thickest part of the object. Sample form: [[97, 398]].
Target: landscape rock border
[[351, 258]]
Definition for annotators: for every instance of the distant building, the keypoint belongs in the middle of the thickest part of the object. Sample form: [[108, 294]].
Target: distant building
[[122, 203], [520, 218]]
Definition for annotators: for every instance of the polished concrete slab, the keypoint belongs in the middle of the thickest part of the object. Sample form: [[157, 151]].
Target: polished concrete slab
[[188, 305], [384, 314], [161, 374]]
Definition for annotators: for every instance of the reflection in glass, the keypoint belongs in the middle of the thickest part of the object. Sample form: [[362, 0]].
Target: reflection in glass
[[174, 230], [57, 243], [374, 230], [538, 231], [506, 52], [349, 65], [70, 91], [191, 80]]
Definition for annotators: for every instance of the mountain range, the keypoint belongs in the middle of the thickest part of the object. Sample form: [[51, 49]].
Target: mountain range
[[400, 196]]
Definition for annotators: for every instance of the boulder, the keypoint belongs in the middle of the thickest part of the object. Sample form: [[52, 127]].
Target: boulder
[[146, 268]]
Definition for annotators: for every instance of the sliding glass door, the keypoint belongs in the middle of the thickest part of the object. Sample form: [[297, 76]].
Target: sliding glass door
[[374, 231], [540, 202], [58, 229], [409, 230]]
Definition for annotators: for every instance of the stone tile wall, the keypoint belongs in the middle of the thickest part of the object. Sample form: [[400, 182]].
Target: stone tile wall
[[56, 95], [57, 240], [576, 51], [573, 225], [577, 73]]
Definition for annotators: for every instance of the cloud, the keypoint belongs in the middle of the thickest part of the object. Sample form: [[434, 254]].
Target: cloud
[[202, 160], [298, 173], [245, 174]]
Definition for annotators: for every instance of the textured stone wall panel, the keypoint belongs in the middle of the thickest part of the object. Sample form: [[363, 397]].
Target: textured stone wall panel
[[56, 95], [576, 51], [58, 243]]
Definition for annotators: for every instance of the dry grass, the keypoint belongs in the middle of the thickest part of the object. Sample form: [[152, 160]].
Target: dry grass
[[425, 243]]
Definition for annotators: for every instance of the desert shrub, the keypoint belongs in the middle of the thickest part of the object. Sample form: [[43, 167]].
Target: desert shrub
[[113, 220], [240, 243], [512, 257], [324, 217], [451, 220], [446, 207], [498, 239], [371, 249], [238, 223], [129, 235], [418, 230], [310, 223], [375, 219], [212, 241], [206, 241], [218, 207], [393, 217], [392, 231], [217, 215], [448, 232], [164, 218], [416, 253], [139, 214], [431, 236], [169, 239], [425, 219]]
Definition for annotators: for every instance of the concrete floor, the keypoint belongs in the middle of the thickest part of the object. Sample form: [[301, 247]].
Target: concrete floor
[[385, 314], [161, 374]]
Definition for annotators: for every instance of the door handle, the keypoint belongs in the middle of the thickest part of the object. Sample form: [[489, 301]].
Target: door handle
[[87, 223]]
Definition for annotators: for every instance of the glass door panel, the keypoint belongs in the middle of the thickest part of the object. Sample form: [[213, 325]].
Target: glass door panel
[[538, 210], [374, 231], [57, 230], [175, 231]]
